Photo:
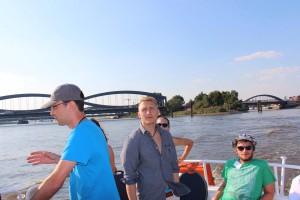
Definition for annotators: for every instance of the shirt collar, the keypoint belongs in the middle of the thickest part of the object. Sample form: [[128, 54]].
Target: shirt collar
[[158, 128]]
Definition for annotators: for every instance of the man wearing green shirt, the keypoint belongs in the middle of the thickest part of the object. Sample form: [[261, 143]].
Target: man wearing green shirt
[[246, 178]]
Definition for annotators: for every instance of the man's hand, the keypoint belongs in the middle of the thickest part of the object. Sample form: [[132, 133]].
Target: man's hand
[[42, 157]]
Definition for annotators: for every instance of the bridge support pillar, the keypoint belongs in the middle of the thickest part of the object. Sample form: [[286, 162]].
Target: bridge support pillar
[[259, 107], [191, 107]]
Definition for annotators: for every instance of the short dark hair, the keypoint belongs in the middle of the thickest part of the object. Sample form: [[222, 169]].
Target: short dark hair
[[80, 105]]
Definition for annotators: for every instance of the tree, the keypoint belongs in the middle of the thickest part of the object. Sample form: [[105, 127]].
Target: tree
[[234, 94], [176, 103], [179, 98], [199, 97], [226, 96], [205, 101], [216, 98], [188, 104], [201, 100], [233, 101]]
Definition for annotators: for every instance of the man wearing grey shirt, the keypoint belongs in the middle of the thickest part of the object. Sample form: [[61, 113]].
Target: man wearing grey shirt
[[149, 158]]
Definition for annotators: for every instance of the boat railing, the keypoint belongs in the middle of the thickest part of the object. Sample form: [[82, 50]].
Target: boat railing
[[277, 167], [279, 187]]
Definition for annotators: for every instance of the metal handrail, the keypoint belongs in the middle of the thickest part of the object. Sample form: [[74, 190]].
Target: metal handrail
[[279, 191]]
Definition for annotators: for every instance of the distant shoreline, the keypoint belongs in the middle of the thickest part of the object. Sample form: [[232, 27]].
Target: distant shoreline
[[218, 113], [179, 114]]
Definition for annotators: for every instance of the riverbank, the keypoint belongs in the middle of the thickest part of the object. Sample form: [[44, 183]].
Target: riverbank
[[188, 113], [215, 112]]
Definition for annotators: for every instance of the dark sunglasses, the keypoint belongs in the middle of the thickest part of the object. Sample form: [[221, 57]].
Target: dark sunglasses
[[163, 125], [241, 148]]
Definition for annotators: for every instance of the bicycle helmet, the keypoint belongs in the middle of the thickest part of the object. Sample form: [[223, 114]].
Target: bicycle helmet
[[244, 137]]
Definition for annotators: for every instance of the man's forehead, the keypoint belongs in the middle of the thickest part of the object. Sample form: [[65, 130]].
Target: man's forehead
[[241, 141], [162, 119], [147, 104]]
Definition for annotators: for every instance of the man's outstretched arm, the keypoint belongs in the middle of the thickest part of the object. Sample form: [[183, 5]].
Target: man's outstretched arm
[[54, 181], [219, 193], [268, 192]]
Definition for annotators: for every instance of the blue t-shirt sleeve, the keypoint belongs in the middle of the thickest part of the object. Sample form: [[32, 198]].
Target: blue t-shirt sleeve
[[76, 143]]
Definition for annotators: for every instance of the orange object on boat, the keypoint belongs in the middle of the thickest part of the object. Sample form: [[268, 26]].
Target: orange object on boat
[[197, 166]]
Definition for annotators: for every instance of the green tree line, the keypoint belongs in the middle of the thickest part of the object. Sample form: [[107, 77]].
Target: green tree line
[[215, 101]]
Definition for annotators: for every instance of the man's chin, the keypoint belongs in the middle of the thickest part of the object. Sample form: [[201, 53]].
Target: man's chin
[[247, 159], [59, 123], [150, 122]]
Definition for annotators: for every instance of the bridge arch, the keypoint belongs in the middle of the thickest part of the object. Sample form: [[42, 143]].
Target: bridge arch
[[264, 95], [160, 98], [12, 101], [23, 95], [11, 112], [264, 101], [22, 102], [125, 92]]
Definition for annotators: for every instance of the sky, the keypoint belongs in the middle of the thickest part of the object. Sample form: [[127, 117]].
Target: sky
[[173, 47]]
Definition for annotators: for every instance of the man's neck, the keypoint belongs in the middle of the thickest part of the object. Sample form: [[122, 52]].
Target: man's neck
[[78, 117], [245, 161], [150, 127]]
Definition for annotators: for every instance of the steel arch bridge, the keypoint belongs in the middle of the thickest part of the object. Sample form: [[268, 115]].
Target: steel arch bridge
[[101, 104], [264, 99]]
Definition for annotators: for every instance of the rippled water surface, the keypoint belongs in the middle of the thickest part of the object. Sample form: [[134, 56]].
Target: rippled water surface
[[277, 133]]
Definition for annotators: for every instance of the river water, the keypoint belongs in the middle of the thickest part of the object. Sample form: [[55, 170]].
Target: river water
[[277, 133]]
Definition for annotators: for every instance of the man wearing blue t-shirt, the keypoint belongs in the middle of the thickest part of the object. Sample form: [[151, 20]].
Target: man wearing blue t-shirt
[[246, 177], [85, 158]]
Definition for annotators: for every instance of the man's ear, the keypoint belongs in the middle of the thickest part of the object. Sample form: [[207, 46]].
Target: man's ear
[[235, 150], [72, 105]]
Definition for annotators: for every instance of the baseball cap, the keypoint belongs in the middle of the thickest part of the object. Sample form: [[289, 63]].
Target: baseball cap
[[65, 92]]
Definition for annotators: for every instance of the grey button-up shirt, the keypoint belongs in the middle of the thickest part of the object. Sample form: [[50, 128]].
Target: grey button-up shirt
[[145, 165]]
